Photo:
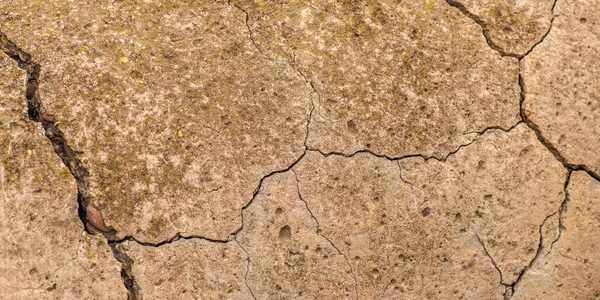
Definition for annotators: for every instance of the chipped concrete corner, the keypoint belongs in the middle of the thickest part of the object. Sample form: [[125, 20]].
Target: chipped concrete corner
[[431, 149]]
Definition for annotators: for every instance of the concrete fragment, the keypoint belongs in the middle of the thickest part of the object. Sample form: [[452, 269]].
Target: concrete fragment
[[289, 259], [395, 78], [190, 269], [570, 270], [397, 251], [502, 188], [562, 90], [44, 253], [176, 113], [514, 26]]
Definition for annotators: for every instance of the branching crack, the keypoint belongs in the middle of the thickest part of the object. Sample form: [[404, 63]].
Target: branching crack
[[37, 113], [320, 232]]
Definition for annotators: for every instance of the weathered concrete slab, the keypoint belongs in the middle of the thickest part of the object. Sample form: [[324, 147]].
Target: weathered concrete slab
[[366, 210], [44, 253], [299, 149]]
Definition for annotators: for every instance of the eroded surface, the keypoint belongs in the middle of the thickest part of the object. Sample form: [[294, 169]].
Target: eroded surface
[[299, 149], [44, 253]]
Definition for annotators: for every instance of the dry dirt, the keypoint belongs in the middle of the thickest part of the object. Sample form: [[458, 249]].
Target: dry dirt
[[315, 149]]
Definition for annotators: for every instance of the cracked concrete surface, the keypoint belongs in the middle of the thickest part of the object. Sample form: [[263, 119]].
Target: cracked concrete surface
[[390, 74], [301, 149], [44, 252]]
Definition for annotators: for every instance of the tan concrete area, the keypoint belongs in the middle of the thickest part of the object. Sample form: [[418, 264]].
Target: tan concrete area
[[318, 149]]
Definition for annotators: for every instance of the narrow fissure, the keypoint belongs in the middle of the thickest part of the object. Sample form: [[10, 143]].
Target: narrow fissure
[[247, 268], [424, 157], [541, 246], [320, 233], [493, 261]]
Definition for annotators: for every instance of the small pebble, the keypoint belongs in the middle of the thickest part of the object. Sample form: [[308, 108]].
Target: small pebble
[[94, 216]]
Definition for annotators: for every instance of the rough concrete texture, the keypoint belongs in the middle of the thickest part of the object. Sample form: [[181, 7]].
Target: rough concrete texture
[[367, 211], [190, 269], [501, 189], [44, 252], [290, 257], [325, 149]]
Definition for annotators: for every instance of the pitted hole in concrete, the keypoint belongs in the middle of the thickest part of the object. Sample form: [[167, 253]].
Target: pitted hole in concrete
[[278, 211], [352, 126], [426, 211], [285, 233]]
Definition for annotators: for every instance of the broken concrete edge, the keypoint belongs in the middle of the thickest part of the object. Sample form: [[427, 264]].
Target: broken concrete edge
[[92, 219]]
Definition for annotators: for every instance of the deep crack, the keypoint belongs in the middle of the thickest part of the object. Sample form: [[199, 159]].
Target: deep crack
[[120, 254], [37, 113]]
